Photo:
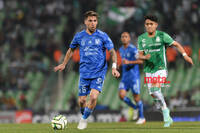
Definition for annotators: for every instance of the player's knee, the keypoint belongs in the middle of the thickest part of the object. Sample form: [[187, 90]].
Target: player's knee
[[93, 98], [137, 99], [82, 100], [121, 96]]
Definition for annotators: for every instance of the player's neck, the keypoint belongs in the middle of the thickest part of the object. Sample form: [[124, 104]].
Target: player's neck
[[151, 34], [90, 32], [125, 45]]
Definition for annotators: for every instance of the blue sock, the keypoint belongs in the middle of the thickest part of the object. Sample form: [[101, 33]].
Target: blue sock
[[82, 110], [140, 109], [129, 102], [87, 113]]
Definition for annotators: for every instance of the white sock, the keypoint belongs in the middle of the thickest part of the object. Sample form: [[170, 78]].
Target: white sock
[[160, 97]]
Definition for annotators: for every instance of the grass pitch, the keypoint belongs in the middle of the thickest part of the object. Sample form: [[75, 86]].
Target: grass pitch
[[123, 127]]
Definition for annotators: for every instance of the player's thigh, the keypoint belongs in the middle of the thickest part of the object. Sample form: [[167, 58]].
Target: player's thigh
[[135, 86], [94, 94], [84, 87], [97, 83]]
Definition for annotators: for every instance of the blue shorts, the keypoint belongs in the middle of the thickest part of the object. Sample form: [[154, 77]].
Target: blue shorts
[[85, 85], [134, 85]]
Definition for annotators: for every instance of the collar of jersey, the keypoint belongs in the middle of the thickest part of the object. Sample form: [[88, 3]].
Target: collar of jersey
[[127, 47], [151, 37], [92, 33]]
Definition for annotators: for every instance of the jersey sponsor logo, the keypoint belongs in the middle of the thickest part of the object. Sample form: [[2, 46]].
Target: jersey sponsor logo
[[89, 41], [150, 45], [90, 51], [143, 45], [128, 55], [154, 50], [157, 44], [143, 40]]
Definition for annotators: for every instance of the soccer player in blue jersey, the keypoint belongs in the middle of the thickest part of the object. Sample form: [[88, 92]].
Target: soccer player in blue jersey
[[130, 76], [92, 44]]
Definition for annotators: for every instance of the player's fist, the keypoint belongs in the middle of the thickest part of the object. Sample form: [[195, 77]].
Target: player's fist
[[124, 61], [59, 67], [188, 59], [148, 56], [115, 73]]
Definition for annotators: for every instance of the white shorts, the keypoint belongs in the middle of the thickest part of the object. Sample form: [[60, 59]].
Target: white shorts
[[159, 75]]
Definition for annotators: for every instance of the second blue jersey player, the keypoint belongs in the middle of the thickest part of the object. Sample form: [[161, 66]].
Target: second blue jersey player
[[130, 76]]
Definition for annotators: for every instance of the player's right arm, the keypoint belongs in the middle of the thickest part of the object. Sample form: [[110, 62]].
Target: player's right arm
[[141, 50], [65, 61], [73, 45]]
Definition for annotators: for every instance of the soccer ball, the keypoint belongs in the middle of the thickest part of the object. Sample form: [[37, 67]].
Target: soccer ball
[[59, 122]]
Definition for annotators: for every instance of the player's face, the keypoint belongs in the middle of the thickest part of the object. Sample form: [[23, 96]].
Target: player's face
[[125, 38], [150, 26], [91, 23]]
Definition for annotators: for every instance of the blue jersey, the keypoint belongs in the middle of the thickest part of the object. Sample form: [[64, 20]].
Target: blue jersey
[[92, 53], [130, 71]]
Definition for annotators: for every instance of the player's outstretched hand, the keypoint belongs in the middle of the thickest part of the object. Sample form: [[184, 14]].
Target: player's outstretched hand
[[59, 67], [124, 61], [188, 59], [115, 73]]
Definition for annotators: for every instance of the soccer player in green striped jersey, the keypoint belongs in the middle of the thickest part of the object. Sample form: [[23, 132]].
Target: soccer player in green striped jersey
[[152, 49]]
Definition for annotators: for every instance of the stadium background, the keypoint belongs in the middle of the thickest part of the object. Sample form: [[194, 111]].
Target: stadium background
[[34, 36]]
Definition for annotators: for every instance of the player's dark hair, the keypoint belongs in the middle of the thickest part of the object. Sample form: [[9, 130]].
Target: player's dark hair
[[151, 17], [90, 13]]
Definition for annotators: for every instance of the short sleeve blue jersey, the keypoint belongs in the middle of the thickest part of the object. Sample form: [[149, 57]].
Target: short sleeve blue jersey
[[130, 71], [92, 52]]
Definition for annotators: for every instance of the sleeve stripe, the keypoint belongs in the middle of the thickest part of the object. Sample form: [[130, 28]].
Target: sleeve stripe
[[171, 43]]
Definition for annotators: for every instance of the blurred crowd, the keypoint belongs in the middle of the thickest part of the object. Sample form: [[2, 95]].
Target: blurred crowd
[[35, 34]]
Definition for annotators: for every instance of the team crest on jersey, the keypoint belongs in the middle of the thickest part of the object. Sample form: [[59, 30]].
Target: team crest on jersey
[[97, 41], [157, 39]]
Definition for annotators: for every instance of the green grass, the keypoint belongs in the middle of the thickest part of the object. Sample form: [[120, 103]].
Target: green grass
[[124, 127]]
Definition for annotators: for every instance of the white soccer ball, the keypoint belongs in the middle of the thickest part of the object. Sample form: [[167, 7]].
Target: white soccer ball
[[59, 122]]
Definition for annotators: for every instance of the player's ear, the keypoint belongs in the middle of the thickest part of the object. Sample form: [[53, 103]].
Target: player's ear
[[85, 21], [156, 25]]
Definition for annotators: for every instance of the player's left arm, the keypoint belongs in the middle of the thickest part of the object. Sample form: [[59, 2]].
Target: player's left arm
[[182, 51], [138, 61], [115, 73]]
